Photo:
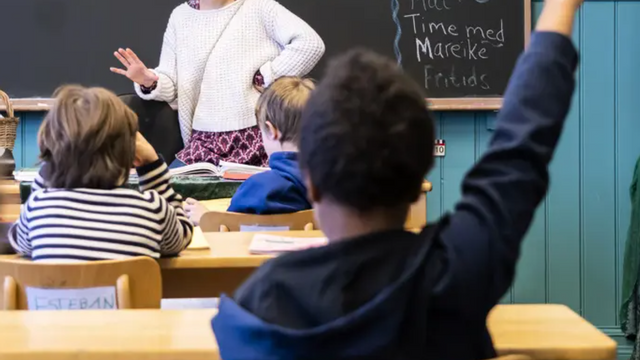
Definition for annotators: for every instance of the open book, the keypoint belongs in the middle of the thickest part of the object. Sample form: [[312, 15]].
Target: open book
[[267, 244], [226, 170]]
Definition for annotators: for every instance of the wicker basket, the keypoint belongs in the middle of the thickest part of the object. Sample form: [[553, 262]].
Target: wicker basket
[[8, 124]]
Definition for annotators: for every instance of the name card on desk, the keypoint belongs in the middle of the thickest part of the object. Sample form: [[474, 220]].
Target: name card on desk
[[267, 244], [97, 298], [259, 228]]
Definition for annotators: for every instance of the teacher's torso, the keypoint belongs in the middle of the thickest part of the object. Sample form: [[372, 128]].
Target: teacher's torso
[[224, 48]]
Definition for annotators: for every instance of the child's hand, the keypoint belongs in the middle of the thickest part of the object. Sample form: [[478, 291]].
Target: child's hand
[[558, 16], [575, 4], [145, 153], [259, 88], [136, 69], [194, 210]]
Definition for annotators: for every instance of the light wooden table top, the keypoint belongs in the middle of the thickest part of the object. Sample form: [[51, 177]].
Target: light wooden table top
[[227, 250], [547, 332], [108, 335], [540, 331]]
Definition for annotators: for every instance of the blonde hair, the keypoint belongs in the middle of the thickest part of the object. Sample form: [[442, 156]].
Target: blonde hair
[[88, 139], [282, 103]]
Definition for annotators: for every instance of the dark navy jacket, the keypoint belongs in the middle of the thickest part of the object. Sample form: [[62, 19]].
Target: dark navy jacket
[[278, 191], [399, 295]]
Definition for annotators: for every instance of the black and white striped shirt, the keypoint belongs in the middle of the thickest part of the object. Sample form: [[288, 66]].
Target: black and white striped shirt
[[75, 225]]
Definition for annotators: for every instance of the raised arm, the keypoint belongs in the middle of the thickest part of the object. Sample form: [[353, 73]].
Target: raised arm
[[177, 227], [158, 84], [19, 233], [154, 175], [165, 88], [302, 46], [502, 191]]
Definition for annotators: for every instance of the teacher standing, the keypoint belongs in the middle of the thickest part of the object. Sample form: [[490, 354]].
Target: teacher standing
[[216, 57]]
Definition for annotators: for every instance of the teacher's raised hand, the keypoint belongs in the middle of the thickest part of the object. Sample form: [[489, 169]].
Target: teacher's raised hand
[[136, 70]]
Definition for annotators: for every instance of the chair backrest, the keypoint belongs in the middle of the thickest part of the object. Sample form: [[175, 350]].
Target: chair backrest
[[158, 123], [137, 281], [214, 221]]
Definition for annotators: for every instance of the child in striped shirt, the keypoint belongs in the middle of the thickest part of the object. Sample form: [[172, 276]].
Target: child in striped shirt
[[79, 209]]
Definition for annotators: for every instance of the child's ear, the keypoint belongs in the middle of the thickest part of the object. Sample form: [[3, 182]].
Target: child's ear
[[274, 134], [312, 192]]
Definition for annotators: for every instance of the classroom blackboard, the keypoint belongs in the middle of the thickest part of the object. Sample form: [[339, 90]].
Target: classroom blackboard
[[454, 48], [46, 43]]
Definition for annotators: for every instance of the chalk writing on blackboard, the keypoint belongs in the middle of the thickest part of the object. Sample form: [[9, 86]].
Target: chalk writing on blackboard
[[97, 298], [451, 51], [395, 9]]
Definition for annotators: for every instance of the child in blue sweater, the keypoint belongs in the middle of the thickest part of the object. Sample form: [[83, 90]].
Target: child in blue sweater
[[377, 291], [280, 190]]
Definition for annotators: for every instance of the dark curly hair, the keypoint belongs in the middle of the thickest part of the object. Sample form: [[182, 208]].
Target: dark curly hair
[[367, 135]]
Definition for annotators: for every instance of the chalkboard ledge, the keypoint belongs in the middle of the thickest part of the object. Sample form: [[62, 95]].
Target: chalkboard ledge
[[452, 104]]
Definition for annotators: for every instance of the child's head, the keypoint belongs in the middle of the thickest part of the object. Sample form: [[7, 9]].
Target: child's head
[[279, 111], [88, 139], [366, 139]]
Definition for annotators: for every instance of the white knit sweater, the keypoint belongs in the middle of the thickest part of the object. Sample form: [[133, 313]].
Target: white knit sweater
[[209, 58]]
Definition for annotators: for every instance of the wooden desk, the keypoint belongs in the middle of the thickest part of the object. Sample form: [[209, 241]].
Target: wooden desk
[[540, 331], [220, 269], [203, 273], [547, 332], [206, 273], [108, 335]]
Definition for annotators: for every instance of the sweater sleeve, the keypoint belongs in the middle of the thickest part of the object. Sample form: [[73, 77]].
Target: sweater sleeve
[[166, 89], [177, 227], [502, 191], [302, 46], [19, 232], [39, 181]]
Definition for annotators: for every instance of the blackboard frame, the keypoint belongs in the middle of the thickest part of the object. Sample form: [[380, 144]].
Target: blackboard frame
[[436, 104]]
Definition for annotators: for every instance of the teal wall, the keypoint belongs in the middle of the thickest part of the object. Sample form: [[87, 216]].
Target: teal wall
[[573, 253]]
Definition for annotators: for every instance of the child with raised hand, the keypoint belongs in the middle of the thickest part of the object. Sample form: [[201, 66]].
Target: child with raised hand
[[79, 209], [380, 292], [280, 190]]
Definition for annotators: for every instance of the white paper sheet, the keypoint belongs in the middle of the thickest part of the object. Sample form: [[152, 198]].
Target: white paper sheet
[[259, 228], [97, 298]]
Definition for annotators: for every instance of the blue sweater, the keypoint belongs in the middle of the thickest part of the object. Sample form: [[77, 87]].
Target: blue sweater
[[278, 191], [399, 295]]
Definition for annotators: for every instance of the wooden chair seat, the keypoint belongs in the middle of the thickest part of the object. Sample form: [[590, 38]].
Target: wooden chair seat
[[220, 221], [138, 281]]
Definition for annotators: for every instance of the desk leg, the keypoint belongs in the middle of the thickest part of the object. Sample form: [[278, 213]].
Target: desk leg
[[202, 283]]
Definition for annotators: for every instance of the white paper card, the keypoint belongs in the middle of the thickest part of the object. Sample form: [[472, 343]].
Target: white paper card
[[198, 241], [97, 298], [273, 244], [258, 228]]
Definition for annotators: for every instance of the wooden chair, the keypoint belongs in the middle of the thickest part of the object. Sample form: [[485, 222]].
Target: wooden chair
[[137, 281], [158, 123], [215, 221], [417, 217]]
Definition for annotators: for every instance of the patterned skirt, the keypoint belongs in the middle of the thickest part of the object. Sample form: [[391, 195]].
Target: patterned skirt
[[239, 146]]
